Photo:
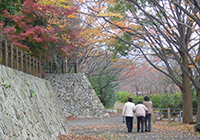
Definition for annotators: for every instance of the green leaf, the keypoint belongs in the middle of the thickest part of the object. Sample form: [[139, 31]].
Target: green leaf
[[4, 84], [32, 92]]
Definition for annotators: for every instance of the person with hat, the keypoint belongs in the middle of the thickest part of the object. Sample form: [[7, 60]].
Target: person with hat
[[140, 112]]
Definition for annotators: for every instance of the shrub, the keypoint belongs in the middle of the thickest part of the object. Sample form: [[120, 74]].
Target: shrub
[[194, 100], [159, 101], [156, 99], [122, 96], [105, 89], [136, 99]]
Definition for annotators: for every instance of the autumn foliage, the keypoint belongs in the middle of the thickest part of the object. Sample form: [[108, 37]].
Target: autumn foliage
[[41, 27]]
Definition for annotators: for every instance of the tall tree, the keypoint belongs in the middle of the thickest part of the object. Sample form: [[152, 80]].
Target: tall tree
[[146, 80], [163, 31], [34, 27], [166, 32], [12, 6]]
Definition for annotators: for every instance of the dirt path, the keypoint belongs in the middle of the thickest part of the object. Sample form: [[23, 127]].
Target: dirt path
[[118, 106], [112, 128]]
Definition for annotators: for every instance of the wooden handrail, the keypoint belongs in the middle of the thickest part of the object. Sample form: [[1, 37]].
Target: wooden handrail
[[19, 60]]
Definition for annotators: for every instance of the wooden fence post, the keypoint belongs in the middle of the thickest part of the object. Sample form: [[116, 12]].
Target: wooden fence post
[[76, 67], [50, 67], [21, 61], [169, 115], [25, 62], [57, 68], [29, 64], [5, 50], [34, 62], [154, 116], [36, 67], [16, 58], [10, 56], [32, 66], [39, 69], [63, 66]]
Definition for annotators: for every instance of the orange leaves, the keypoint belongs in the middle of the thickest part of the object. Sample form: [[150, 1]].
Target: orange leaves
[[121, 63], [112, 128], [141, 43], [191, 66], [92, 32], [135, 26], [174, 127], [58, 3], [67, 38], [95, 35], [71, 136], [112, 2], [110, 14]]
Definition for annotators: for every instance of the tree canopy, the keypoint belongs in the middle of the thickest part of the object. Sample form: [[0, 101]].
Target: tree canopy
[[165, 32], [40, 27]]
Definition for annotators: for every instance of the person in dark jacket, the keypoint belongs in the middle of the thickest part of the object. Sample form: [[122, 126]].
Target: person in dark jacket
[[128, 113], [147, 121]]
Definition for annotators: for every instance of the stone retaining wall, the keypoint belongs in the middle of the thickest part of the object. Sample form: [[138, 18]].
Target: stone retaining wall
[[77, 96], [29, 110]]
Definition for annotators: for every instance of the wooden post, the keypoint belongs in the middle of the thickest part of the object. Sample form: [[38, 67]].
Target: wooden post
[[34, 62], [57, 68], [36, 67], [16, 58], [169, 115], [63, 66], [29, 64], [32, 66], [154, 116], [5, 49], [21, 61], [10, 56], [50, 67], [76, 67], [25, 63], [39, 68]]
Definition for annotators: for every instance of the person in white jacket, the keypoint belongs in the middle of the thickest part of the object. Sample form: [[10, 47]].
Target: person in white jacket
[[140, 112], [128, 113]]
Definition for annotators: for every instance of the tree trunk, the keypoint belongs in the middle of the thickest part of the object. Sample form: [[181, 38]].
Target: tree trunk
[[137, 89], [187, 100], [198, 106]]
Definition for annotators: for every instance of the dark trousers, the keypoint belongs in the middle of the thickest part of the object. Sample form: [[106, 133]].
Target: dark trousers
[[140, 121], [148, 122], [129, 123]]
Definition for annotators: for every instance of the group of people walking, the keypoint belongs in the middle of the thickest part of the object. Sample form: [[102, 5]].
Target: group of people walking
[[142, 111]]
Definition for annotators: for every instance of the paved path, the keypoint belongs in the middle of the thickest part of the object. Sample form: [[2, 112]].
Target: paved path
[[112, 128]]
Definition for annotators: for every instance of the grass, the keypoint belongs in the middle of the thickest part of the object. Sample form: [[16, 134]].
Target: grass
[[121, 103], [119, 110], [198, 135], [176, 124], [109, 107]]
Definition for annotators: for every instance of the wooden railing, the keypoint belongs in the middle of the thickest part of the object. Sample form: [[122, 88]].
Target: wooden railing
[[20, 60], [171, 113], [63, 67], [17, 59]]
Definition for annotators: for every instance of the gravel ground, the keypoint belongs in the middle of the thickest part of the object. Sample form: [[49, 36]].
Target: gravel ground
[[112, 128]]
